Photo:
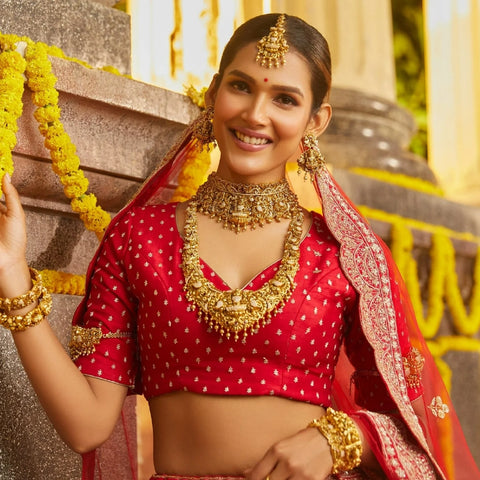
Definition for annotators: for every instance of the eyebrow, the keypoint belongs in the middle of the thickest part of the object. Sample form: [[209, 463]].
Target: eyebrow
[[284, 88]]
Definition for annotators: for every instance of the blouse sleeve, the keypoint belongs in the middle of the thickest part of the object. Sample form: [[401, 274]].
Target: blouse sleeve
[[371, 392], [104, 323]]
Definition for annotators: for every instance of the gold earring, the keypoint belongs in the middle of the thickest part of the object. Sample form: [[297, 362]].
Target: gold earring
[[202, 128], [311, 160]]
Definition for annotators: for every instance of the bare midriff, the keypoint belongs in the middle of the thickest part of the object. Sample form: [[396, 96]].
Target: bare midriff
[[213, 435]]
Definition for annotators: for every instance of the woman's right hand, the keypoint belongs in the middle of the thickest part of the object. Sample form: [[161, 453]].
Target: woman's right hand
[[14, 273]]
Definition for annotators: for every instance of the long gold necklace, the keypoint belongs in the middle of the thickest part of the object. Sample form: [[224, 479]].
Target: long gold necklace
[[239, 206], [235, 311]]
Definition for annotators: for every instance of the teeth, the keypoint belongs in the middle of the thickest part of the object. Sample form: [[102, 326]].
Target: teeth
[[250, 140]]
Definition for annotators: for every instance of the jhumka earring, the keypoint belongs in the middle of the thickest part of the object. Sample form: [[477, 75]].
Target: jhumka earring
[[273, 47], [203, 127], [311, 160]]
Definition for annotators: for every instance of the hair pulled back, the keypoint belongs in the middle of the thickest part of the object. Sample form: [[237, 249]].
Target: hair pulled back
[[301, 37]]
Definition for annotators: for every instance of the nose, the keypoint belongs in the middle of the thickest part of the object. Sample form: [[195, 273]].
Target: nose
[[256, 112]]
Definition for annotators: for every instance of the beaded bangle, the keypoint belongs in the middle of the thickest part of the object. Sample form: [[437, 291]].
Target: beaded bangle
[[17, 323], [343, 437], [16, 303]]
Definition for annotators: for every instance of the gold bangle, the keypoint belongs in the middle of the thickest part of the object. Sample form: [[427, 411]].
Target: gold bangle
[[17, 323], [22, 301], [343, 437]]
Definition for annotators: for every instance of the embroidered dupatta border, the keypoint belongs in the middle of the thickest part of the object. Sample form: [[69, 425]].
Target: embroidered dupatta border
[[364, 262]]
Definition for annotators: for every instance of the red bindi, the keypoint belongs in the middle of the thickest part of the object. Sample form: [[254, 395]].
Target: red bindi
[[265, 79]]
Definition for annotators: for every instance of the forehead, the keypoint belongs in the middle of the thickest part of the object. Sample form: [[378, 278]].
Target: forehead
[[294, 72]]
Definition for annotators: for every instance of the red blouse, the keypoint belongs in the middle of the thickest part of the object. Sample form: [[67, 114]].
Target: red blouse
[[137, 287]]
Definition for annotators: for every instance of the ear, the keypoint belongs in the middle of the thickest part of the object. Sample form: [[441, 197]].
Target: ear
[[320, 120], [211, 92]]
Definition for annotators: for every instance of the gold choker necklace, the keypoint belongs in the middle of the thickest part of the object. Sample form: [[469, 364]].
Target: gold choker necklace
[[235, 311], [239, 205]]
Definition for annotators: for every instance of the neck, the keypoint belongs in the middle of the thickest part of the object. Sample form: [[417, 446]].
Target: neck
[[256, 179]]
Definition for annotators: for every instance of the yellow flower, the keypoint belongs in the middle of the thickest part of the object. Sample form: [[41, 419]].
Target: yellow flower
[[12, 60], [47, 114], [41, 82], [45, 97], [63, 167], [63, 283], [9, 138], [10, 83], [51, 129], [59, 142], [84, 203], [8, 121], [75, 184], [96, 219]]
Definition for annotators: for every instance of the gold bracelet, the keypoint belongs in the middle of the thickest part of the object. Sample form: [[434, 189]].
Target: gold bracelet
[[22, 301], [17, 323], [343, 437]]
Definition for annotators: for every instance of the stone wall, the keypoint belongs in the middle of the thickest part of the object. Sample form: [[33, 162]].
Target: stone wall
[[83, 29], [121, 129]]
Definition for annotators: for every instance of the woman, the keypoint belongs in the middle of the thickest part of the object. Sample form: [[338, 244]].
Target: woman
[[241, 338]]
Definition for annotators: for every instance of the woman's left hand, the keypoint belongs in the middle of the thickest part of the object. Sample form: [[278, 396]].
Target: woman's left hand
[[303, 456]]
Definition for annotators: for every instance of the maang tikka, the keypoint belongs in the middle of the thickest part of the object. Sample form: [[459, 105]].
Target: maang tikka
[[311, 160], [202, 127], [273, 47]]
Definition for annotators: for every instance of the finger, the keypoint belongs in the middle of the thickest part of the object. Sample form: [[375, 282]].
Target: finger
[[263, 468], [12, 198]]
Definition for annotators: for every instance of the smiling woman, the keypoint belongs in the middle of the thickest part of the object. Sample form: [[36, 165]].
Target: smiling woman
[[270, 342], [265, 119]]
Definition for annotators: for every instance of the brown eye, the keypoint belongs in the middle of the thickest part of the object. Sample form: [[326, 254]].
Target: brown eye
[[239, 85], [286, 100]]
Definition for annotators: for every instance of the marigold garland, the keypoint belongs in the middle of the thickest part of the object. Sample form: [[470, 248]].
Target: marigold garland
[[443, 281], [12, 67], [400, 179], [197, 163], [63, 283], [65, 163]]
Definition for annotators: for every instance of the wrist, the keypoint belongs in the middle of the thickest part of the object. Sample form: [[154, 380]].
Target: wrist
[[344, 438], [15, 279], [27, 309]]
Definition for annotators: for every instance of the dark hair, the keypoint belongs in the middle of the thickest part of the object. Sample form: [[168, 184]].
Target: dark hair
[[301, 37]]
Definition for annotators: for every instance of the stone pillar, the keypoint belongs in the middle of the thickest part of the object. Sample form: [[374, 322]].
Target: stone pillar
[[359, 33], [453, 75]]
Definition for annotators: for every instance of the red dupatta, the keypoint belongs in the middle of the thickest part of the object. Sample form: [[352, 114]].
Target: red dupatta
[[404, 448], [383, 303]]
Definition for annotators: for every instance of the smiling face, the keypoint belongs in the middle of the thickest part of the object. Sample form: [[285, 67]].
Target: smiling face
[[261, 115]]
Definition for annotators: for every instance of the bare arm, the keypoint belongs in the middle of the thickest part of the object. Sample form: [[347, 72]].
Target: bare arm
[[83, 410]]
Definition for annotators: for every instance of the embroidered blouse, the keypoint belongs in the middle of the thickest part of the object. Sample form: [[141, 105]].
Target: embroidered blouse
[[137, 290]]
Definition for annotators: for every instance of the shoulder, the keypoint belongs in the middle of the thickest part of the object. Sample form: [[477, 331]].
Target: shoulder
[[136, 216], [320, 228]]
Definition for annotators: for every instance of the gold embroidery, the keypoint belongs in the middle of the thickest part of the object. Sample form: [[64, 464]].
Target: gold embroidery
[[413, 364], [408, 460], [438, 408], [366, 266]]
